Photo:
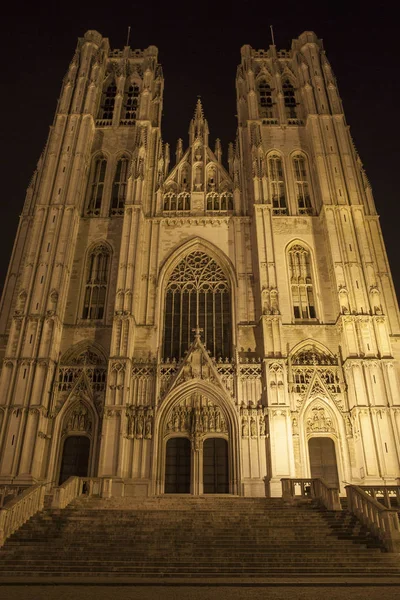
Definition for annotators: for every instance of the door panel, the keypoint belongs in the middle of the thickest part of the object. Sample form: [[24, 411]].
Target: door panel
[[323, 459], [75, 459], [215, 466], [177, 466]]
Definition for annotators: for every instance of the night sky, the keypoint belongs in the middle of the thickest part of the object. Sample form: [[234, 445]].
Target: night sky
[[199, 49]]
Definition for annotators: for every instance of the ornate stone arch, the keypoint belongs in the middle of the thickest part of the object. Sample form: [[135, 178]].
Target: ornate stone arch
[[187, 405]]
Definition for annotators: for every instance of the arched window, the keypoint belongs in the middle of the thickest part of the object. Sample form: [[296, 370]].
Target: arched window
[[97, 275], [96, 187], [131, 102], [301, 283], [302, 185], [197, 296], [119, 187], [170, 201], [184, 201], [108, 102], [277, 184], [265, 99], [289, 100]]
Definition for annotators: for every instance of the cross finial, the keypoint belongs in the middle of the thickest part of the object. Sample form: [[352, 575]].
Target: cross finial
[[197, 333]]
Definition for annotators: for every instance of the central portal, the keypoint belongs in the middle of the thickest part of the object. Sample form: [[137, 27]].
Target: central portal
[[177, 466], [215, 466]]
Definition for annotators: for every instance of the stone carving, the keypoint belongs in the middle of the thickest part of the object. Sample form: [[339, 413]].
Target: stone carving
[[253, 422], [139, 422], [319, 421], [199, 419], [348, 425], [79, 419]]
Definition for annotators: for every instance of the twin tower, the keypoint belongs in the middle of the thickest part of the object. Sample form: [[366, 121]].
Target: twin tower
[[192, 327]]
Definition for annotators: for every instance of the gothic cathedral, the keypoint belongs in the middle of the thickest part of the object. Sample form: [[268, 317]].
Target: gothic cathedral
[[193, 327]]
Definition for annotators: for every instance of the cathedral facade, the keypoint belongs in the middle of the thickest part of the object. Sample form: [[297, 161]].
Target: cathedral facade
[[195, 328]]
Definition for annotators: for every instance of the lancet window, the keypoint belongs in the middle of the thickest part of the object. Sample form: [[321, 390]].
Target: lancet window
[[265, 99], [301, 283], [108, 102], [96, 187], [277, 184], [289, 100], [97, 276], [219, 202], [198, 295], [131, 102], [119, 187], [302, 185]]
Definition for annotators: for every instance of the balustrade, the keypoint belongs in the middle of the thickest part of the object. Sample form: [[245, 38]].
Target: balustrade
[[17, 512], [314, 488], [381, 521]]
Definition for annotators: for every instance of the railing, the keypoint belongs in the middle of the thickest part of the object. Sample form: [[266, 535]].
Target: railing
[[8, 492], [381, 521], [317, 489], [17, 512], [76, 486], [385, 494]]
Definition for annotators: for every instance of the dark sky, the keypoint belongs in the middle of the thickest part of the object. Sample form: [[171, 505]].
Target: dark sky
[[199, 49]]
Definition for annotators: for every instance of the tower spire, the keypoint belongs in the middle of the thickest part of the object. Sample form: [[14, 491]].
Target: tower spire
[[198, 128]]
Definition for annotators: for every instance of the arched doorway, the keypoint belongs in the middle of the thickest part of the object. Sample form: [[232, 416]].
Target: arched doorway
[[75, 457], [215, 466], [323, 459], [178, 466]]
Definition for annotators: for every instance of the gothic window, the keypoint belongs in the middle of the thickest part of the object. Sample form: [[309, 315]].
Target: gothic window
[[170, 203], [219, 202], [97, 275], [289, 100], [277, 184], [197, 296], [96, 187], [302, 185], [184, 201], [119, 187], [131, 102], [108, 102], [265, 99], [301, 283]]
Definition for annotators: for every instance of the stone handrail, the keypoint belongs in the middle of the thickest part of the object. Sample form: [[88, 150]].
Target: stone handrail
[[68, 491], [381, 521], [8, 492], [76, 486], [17, 512], [315, 488], [383, 493]]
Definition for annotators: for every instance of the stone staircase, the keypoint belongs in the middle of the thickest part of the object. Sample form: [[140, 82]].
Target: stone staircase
[[193, 537]]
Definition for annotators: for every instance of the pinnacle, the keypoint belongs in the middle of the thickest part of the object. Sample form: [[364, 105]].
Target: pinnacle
[[199, 113]]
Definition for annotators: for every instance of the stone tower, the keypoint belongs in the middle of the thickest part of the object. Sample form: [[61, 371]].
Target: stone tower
[[195, 328]]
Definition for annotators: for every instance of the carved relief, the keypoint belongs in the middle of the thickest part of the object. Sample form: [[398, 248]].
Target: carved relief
[[319, 420], [139, 422], [253, 422], [78, 420]]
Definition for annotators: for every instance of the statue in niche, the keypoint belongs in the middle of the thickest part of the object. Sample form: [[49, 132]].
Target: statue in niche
[[245, 427], [139, 423], [205, 419], [253, 427], [217, 421], [262, 426], [295, 426], [148, 425], [349, 427]]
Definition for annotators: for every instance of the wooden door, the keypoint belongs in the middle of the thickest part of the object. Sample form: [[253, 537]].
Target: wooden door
[[323, 459], [177, 466], [215, 466], [75, 458]]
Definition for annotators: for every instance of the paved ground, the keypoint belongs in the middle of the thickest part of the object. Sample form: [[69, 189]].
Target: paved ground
[[133, 592]]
